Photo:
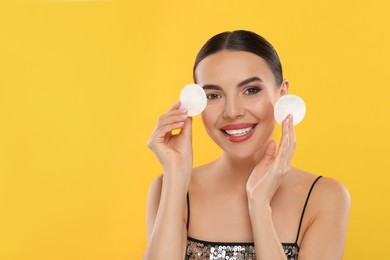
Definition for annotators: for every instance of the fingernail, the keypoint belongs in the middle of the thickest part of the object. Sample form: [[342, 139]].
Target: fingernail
[[183, 113]]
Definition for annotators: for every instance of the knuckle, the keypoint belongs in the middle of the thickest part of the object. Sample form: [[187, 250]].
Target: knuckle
[[149, 144]]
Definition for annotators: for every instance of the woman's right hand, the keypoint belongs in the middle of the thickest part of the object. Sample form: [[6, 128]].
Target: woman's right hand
[[173, 151]]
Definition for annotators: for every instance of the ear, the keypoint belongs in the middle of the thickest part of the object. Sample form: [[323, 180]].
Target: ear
[[284, 87]]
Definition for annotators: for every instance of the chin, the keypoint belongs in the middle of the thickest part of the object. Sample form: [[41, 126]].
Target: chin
[[246, 154], [242, 151]]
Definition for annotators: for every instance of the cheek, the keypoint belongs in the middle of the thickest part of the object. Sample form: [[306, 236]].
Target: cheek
[[263, 109], [208, 117]]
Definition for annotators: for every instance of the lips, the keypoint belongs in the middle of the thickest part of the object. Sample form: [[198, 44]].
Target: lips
[[238, 132]]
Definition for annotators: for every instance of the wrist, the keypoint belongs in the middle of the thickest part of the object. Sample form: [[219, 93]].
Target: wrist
[[184, 166], [258, 211], [177, 176], [259, 203], [177, 172], [257, 198]]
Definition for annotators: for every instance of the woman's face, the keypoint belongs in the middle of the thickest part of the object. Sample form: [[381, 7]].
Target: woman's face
[[241, 92]]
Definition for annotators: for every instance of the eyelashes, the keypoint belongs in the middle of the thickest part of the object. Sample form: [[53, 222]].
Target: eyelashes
[[252, 90], [249, 91], [213, 96]]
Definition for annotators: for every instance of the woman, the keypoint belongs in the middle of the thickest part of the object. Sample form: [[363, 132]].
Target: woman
[[249, 203]]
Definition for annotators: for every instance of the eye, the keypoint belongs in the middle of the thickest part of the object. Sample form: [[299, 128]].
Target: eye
[[213, 96], [252, 90]]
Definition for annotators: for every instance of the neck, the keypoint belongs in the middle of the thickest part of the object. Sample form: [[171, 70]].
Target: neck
[[238, 169]]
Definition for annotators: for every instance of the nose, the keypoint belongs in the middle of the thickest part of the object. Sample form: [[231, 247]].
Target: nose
[[233, 108]]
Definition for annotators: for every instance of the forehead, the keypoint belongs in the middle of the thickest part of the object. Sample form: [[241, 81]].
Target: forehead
[[231, 67]]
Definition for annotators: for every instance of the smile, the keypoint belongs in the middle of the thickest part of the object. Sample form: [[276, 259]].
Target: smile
[[238, 133]]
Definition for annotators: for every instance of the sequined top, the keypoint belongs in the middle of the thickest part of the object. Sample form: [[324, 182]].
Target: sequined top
[[205, 250], [202, 250]]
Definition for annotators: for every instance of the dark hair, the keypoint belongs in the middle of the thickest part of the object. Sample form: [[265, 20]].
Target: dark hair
[[242, 40]]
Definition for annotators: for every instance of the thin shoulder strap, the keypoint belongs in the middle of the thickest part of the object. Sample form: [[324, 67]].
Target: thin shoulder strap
[[304, 207], [188, 211]]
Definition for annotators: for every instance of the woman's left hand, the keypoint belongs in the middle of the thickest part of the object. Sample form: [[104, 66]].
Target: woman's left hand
[[270, 171]]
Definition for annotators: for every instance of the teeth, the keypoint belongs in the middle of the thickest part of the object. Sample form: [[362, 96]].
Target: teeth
[[239, 132]]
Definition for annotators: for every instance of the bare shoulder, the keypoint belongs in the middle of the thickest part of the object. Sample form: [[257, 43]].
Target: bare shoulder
[[328, 193], [156, 185], [332, 195], [333, 188], [326, 218], [200, 174], [155, 190], [201, 169]]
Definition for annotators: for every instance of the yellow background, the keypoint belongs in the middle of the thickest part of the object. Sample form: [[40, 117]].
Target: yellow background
[[82, 84]]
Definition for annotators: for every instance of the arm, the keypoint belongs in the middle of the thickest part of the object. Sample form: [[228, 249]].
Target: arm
[[165, 220], [166, 229], [326, 235], [325, 238], [261, 187], [267, 242]]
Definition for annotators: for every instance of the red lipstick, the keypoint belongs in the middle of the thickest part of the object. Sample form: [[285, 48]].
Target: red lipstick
[[238, 132]]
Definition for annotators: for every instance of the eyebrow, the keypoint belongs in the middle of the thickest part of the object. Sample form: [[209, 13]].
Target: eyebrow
[[242, 83], [247, 81]]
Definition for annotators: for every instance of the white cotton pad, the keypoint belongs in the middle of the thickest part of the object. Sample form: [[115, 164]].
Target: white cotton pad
[[193, 98], [290, 104]]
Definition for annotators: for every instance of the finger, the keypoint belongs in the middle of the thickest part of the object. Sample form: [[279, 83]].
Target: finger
[[285, 134], [269, 153], [284, 142], [292, 133], [291, 143], [175, 106], [172, 117], [187, 129], [163, 134], [167, 129], [172, 120]]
